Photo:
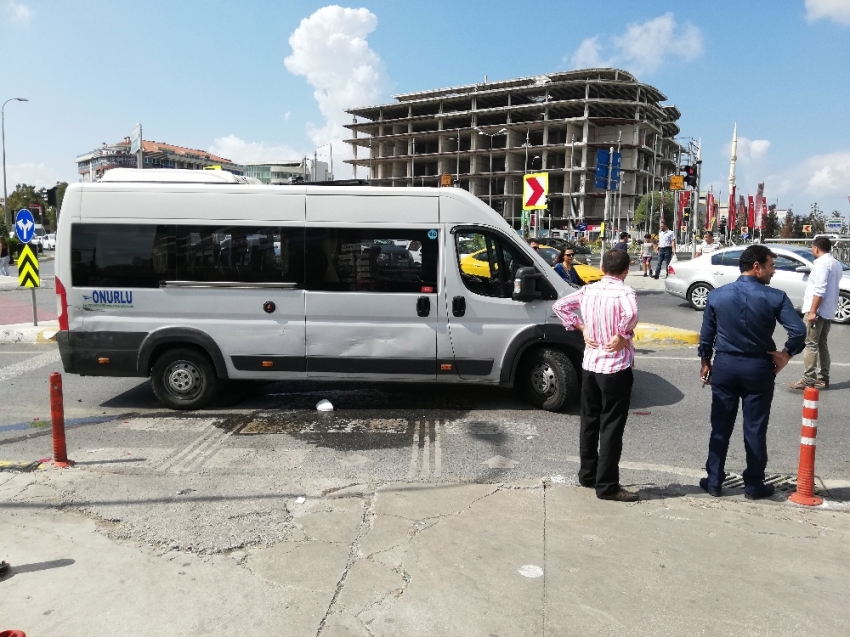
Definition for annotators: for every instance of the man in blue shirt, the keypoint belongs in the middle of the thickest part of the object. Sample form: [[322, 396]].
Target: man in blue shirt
[[737, 328]]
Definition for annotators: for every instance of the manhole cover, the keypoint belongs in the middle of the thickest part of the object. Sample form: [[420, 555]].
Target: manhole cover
[[781, 482]]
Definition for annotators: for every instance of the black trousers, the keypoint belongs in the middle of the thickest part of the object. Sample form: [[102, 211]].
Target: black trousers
[[605, 402]]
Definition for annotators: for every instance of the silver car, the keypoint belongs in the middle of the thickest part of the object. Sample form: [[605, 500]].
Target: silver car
[[693, 280]]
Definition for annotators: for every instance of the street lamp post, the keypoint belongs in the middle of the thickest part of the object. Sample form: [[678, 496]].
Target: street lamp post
[[3, 126], [490, 180]]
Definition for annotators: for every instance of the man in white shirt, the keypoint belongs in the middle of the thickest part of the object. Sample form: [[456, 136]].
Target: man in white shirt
[[666, 247], [819, 305], [707, 245]]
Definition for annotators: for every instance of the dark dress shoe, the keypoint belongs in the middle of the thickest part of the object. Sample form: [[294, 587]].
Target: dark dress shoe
[[759, 492], [703, 484], [620, 495]]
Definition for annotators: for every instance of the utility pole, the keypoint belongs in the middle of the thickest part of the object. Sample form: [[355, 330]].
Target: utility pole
[[695, 208], [607, 200]]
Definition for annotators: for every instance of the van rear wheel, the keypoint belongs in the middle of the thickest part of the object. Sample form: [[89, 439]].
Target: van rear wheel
[[548, 378], [183, 379]]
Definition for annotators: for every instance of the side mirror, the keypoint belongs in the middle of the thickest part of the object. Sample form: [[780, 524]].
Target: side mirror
[[802, 268], [525, 284]]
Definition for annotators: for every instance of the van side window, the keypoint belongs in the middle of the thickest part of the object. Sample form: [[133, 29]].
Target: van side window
[[372, 260], [488, 263], [121, 255], [243, 254], [141, 256]]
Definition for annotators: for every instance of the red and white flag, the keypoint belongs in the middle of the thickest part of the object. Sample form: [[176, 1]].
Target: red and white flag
[[709, 211], [759, 201]]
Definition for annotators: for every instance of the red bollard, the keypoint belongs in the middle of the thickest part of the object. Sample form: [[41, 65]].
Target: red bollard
[[805, 493], [57, 416]]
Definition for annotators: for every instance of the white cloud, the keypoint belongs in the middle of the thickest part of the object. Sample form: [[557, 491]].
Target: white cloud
[[330, 50], [35, 174], [18, 12], [836, 10], [643, 47], [236, 149], [749, 150], [821, 178], [287, 115], [588, 55]]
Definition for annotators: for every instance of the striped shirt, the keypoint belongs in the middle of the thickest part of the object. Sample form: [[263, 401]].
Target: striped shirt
[[609, 307]]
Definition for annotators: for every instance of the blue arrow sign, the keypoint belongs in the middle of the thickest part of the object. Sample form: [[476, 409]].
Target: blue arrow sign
[[24, 225], [581, 227]]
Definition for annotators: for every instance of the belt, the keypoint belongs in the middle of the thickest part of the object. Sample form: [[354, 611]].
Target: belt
[[762, 355]]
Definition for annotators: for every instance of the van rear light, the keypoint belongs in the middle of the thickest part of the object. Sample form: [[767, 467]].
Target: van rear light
[[670, 270], [61, 305]]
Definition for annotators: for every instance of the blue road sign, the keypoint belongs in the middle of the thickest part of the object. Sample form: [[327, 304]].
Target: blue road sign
[[582, 227], [24, 225], [603, 157]]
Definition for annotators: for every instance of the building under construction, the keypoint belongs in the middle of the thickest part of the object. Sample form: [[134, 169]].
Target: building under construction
[[488, 135]]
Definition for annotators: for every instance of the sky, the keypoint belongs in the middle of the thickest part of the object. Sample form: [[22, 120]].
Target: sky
[[264, 81]]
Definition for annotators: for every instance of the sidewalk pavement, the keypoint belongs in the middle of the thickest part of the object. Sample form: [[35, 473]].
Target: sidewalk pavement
[[44, 332], [538, 557]]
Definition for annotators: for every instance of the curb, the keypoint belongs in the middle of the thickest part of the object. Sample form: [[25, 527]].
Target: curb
[[646, 333], [26, 333]]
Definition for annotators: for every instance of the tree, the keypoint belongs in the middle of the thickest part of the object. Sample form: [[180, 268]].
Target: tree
[[23, 196], [771, 223], [787, 231], [642, 212]]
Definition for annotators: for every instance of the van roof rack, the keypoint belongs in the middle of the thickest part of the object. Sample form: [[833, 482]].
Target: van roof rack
[[174, 176], [338, 182]]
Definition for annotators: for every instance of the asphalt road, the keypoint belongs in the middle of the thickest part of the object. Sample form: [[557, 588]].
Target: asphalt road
[[428, 432]]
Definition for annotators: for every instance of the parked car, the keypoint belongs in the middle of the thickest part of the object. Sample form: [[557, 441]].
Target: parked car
[[48, 242], [694, 279]]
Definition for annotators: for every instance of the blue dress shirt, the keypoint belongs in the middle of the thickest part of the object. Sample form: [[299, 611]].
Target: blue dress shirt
[[740, 319]]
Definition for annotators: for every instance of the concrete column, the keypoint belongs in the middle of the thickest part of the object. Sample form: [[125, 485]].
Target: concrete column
[[544, 155]]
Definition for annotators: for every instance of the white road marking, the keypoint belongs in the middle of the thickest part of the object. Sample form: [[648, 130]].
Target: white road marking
[[658, 468], [438, 451], [20, 352], [211, 448], [426, 450], [25, 367], [414, 452], [209, 430]]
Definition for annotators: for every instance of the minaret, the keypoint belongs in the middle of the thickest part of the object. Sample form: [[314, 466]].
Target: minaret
[[733, 158]]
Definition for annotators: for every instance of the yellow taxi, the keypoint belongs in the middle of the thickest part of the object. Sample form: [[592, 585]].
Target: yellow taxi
[[588, 273], [478, 264]]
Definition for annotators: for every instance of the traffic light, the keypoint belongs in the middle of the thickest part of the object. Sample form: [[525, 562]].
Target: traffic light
[[687, 212], [51, 196], [690, 176]]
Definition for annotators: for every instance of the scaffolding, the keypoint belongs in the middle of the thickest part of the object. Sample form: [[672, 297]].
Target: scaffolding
[[488, 135]]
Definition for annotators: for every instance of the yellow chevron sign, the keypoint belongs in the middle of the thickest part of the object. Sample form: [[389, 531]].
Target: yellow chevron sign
[[28, 269]]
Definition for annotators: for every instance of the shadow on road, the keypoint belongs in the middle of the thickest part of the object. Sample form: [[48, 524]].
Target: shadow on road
[[651, 390]]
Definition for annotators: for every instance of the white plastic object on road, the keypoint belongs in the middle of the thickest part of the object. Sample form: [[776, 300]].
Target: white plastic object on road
[[300, 500], [324, 405]]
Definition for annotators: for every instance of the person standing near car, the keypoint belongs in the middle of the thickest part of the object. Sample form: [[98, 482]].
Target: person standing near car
[[606, 313], [564, 267], [4, 257], [707, 245], [820, 303], [666, 247], [737, 331]]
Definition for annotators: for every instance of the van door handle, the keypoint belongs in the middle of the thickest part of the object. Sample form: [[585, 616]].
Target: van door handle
[[458, 306], [423, 306]]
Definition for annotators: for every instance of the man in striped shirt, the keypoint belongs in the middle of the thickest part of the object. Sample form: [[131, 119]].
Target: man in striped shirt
[[606, 313]]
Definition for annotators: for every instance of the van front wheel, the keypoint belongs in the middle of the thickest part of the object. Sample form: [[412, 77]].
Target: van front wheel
[[183, 379], [548, 378]]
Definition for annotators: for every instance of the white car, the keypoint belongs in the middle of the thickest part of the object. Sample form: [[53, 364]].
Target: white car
[[48, 242], [693, 280]]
